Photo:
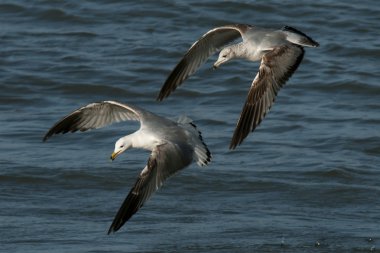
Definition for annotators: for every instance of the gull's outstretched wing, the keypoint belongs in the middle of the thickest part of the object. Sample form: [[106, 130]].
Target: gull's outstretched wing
[[165, 160], [276, 68], [198, 53], [95, 115]]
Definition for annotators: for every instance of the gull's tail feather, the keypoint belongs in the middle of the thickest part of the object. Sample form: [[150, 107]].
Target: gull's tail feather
[[297, 37], [202, 153]]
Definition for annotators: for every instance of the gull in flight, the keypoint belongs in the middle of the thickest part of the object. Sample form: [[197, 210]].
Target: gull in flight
[[174, 145], [280, 52]]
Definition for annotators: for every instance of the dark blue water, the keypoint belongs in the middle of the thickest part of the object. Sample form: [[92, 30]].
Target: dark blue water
[[307, 180]]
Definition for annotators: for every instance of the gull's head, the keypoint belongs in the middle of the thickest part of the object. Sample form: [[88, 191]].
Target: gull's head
[[225, 55], [121, 145]]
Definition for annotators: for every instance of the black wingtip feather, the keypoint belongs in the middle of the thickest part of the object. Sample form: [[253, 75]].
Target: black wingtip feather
[[175, 79], [129, 207]]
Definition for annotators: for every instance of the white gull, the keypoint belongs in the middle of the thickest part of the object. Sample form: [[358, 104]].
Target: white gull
[[280, 51], [174, 146]]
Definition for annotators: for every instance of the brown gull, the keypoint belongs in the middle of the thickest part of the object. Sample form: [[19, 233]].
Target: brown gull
[[280, 52]]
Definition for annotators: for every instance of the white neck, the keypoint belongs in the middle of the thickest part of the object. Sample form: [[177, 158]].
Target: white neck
[[239, 49], [243, 50], [140, 139]]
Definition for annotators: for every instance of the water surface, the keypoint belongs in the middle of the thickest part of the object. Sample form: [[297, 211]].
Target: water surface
[[307, 180]]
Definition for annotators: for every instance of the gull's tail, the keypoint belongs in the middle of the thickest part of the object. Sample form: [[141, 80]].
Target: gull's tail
[[298, 37], [201, 151]]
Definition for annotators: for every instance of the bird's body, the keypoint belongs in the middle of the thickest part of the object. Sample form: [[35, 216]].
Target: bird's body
[[174, 145], [280, 52], [256, 44]]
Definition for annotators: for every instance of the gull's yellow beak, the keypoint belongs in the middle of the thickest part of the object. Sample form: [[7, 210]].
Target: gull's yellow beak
[[218, 63], [114, 155]]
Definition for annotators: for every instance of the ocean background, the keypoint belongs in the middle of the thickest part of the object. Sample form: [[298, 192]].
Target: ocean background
[[307, 180]]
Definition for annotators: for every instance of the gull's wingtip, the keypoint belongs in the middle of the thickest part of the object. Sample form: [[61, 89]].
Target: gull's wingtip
[[47, 136], [234, 143], [164, 93], [160, 97], [237, 139], [111, 230], [114, 228]]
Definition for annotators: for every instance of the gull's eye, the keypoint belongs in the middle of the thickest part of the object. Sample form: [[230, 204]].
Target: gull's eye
[[122, 146]]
